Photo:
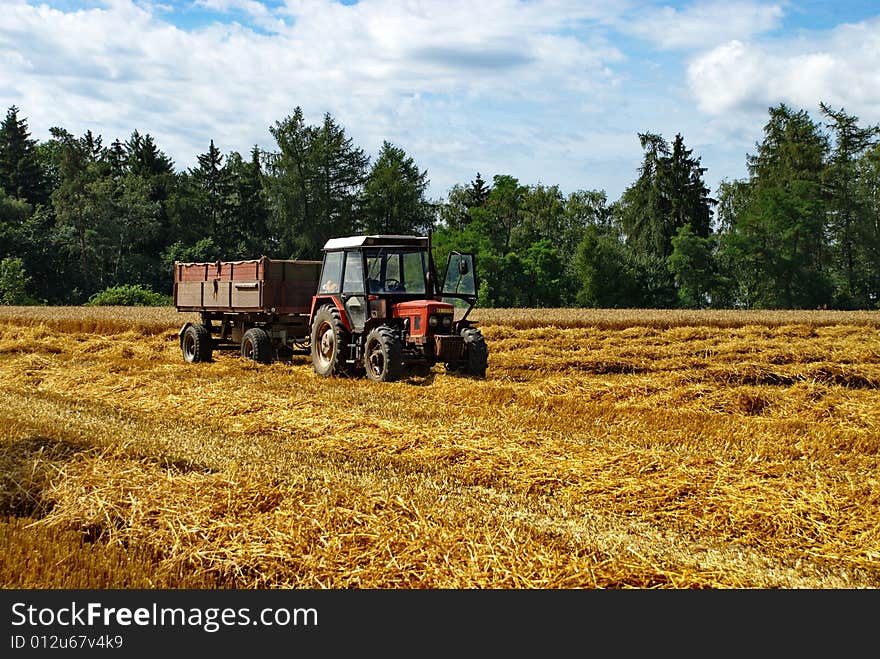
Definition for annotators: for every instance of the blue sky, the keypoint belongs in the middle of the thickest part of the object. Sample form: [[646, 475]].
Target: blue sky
[[549, 91]]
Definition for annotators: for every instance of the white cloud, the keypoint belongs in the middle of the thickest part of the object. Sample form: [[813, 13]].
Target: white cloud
[[539, 89], [257, 12], [383, 69], [705, 24], [838, 67]]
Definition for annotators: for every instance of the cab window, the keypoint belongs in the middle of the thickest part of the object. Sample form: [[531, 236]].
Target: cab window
[[414, 271], [354, 273], [395, 271], [460, 278], [331, 275]]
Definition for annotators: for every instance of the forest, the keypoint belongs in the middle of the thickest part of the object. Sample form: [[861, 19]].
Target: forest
[[80, 217]]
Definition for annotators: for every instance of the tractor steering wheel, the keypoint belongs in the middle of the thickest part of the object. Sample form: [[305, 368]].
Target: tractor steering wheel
[[391, 284]]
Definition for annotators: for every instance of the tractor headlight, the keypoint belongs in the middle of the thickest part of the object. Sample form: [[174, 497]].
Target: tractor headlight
[[433, 321], [447, 321]]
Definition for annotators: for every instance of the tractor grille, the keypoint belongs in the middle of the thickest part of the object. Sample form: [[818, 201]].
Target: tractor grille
[[449, 347]]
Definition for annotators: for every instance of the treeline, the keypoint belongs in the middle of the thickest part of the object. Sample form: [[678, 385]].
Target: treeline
[[78, 217]]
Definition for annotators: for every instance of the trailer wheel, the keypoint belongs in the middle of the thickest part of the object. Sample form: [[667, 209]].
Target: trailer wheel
[[383, 355], [196, 344], [477, 352], [329, 342], [256, 345]]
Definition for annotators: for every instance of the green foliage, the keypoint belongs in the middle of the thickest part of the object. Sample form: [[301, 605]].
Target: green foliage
[[250, 215], [868, 229], [21, 172], [477, 192], [144, 158], [129, 295], [530, 279], [14, 214], [513, 271], [801, 231], [504, 210], [542, 216], [851, 222], [612, 276], [14, 282], [313, 185], [583, 209], [104, 222], [777, 243], [204, 251], [455, 213], [655, 286], [394, 200], [693, 265], [211, 185], [606, 272], [732, 199], [543, 269], [668, 194]]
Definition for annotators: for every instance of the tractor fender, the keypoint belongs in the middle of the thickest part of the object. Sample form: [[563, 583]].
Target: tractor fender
[[460, 325], [320, 300]]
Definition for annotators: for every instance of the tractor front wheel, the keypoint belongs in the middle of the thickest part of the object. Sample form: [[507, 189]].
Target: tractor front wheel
[[383, 355], [477, 352]]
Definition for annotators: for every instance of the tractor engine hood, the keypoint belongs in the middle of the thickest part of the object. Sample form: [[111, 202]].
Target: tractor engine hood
[[420, 313]]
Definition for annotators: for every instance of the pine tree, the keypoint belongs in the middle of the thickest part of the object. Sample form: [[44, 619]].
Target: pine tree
[[668, 195], [117, 158], [477, 192], [21, 173], [145, 158], [252, 213], [148, 162], [212, 185], [777, 244], [689, 201], [849, 216], [641, 207], [313, 184], [105, 219], [340, 174], [869, 198], [394, 198]]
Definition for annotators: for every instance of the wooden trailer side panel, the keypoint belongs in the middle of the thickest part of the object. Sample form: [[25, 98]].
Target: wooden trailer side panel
[[258, 285]]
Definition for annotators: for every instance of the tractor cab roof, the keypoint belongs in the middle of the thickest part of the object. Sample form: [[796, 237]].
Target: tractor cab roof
[[375, 241]]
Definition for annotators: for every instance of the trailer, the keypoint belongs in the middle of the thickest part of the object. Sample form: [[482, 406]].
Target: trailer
[[260, 306], [373, 306]]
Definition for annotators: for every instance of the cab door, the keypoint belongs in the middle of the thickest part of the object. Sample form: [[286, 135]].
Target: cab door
[[353, 295], [460, 279], [460, 284]]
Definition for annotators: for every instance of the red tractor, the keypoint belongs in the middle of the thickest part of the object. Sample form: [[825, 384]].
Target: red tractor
[[379, 308], [374, 305]]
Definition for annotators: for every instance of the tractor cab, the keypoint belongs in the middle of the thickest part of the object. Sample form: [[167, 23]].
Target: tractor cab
[[381, 295]]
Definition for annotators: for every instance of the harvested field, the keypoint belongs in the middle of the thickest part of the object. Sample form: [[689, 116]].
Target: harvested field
[[605, 449]]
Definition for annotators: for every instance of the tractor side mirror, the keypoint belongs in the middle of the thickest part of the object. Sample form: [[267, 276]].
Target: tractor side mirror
[[463, 268]]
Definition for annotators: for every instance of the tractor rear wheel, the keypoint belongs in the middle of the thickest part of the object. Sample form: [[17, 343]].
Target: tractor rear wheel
[[329, 342], [383, 355], [196, 344], [477, 352], [256, 345]]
